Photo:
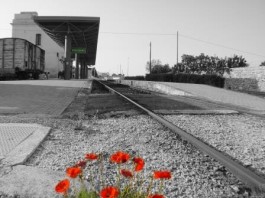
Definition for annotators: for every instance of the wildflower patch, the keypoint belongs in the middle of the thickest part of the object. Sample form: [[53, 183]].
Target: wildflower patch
[[129, 183]]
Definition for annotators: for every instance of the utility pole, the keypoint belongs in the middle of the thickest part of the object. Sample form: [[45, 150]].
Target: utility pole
[[150, 58], [128, 66], [177, 47], [120, 73]]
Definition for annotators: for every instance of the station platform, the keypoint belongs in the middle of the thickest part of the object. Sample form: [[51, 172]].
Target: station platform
[[232, 99], [30, 98]]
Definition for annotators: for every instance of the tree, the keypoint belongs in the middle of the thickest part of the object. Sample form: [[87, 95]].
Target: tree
[[222, 67], [204, 64], [161, 69], [236, 61], [154, 62], [179, 68], [263, 63]]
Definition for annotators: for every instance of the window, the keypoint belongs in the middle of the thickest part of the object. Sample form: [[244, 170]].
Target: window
[[38, 39]]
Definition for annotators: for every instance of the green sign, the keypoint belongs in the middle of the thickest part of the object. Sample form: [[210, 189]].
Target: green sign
[[79, 50]]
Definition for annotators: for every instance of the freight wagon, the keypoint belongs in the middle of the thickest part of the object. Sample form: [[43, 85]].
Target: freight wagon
[[20, 59]]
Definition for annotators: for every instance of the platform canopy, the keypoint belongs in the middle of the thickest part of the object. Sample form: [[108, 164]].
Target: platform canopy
[[83, 32]]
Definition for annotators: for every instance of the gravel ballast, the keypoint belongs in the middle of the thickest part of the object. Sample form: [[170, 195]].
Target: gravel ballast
[[240, 136], [194, 174]]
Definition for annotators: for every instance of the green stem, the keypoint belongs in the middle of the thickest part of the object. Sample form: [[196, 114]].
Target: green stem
[[119, 176], [161, 186], [133, 180], [91, 179], [141, 184], [101, 179], [65, 195], [150, 186], [125, 191], [139, 190], [83, 186], [75, 189]]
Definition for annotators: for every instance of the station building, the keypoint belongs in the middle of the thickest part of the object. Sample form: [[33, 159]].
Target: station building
[[24, 26], [64, 39]]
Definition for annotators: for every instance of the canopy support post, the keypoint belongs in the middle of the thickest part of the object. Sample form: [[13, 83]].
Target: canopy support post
[[76, 67], [68, 61]]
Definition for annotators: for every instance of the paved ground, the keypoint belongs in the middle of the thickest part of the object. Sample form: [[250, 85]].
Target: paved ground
[[48, 97], [18, 141], [222, 95], [37, 97], [51, 83]]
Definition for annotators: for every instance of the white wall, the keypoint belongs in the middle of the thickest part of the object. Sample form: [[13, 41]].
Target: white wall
[[25, 27]]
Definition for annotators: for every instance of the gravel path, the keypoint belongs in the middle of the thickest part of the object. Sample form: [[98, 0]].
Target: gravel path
[[240, 136], [194, 174]]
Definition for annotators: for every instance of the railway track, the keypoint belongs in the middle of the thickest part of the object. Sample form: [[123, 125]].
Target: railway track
[[248, 177]]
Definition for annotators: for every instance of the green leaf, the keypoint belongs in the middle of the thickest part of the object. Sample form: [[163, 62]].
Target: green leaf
[[85, 194]]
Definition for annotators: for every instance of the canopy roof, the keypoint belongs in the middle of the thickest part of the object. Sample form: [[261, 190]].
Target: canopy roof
[[82, 30]]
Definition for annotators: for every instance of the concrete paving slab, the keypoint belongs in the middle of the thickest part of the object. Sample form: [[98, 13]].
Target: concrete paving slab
[[29, 182], [19, 141], [12, 135], [26, 148]]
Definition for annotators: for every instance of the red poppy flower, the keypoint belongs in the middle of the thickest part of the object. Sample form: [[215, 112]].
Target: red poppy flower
[[62, 186], [91, 156], [139, 163], [126, 173], [156, 196], [162, 175], [81, 164], [119, 157], [73, 172], [109, 192]]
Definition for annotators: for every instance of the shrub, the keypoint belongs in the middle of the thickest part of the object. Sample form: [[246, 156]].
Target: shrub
[[134, 78], [213, 80]]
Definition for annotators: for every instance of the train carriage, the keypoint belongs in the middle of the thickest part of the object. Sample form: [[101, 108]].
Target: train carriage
[[21, 59]]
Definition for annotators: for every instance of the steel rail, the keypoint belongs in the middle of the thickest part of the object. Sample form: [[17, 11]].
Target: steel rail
[[255, 182]]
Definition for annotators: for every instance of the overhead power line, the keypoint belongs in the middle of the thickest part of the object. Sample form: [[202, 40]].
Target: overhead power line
[[182, 35], [138, 33], [219, 45], [185, 36], [171, 34]]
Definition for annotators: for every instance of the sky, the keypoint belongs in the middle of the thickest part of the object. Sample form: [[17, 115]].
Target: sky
[[213, 27]]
